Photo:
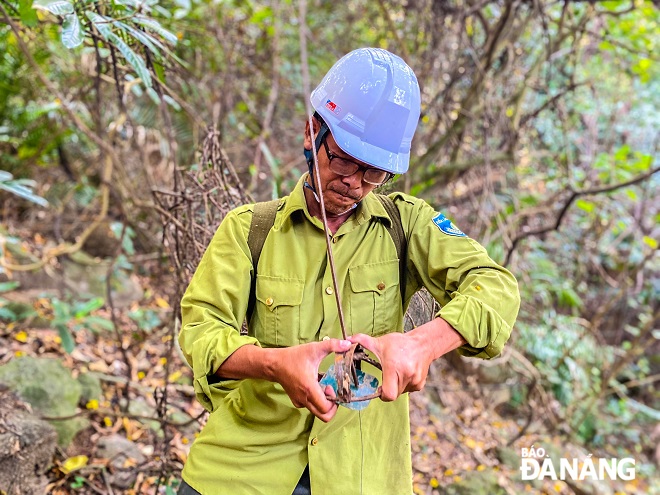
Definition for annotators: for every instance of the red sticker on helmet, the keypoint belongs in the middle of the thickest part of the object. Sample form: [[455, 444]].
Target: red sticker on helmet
[[330, 105]]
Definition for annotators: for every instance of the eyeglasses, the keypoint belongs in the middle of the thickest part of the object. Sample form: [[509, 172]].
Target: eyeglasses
[[345, 166]]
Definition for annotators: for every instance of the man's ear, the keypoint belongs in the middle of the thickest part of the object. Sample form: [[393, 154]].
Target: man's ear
[[308, 139]]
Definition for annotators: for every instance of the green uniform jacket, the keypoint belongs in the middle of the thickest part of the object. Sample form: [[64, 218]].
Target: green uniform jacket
[[256, 441]]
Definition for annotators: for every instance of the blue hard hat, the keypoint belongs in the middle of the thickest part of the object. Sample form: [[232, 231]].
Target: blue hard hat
[[370, 100]]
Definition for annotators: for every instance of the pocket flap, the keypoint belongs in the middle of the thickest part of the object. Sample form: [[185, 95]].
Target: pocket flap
[[278, 291], [375, 277]]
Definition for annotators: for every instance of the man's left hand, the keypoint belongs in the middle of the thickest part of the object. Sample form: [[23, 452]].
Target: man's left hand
[[406, 357]]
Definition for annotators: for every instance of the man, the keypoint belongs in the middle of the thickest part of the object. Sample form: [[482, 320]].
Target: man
[[272, 428]]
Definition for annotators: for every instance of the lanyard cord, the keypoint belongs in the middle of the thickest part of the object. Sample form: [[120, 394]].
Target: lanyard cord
[[317, 175]]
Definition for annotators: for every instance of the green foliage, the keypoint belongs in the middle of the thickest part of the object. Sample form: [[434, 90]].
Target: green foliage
[[128, 26], [126, 234], [6, 313], [78, 482], [21, 188], [146, 319], [566, 354], [74, 316]]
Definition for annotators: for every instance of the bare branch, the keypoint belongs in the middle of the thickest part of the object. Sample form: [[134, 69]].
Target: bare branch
[[567, 205]]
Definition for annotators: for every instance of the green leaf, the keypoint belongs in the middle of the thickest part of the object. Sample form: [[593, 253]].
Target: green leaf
[[587, 206], [57, 7], [171, 102], [23, 192], [81, 310], [651, 242], [634, 331], [127, 244], [102, 24], [68, 342], [72, 34], [146, 319], [569, 298], [27, 13], [160, 72], [97, 322], [7, 314], [145, 38], [61, 310], [78, 482], [155, 26], [9, 286], [136, 4], [622, 153], [153, 95]]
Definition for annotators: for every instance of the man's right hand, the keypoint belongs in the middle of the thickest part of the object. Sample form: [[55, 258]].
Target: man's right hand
[[297, 371], [295, 368]]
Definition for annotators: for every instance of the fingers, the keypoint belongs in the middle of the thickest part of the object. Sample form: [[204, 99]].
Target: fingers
[[391, 383], [390, 387], [334, 345], [367, 342], [301, 379], [319, 405]]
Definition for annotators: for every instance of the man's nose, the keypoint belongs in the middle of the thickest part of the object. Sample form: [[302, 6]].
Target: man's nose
[[354, 180]]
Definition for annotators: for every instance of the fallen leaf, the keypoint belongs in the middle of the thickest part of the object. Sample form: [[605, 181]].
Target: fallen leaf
[[74, 463]]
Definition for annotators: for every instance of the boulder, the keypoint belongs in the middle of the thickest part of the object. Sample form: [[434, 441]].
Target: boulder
[[49, 388], [27, 446], [122, 455]]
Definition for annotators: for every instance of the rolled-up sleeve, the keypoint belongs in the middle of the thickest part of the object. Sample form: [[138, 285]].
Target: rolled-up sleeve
[[214, 305], [479, 298]]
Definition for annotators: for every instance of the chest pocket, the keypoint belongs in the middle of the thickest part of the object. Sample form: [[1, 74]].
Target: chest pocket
[[375, 300], [277, 310]]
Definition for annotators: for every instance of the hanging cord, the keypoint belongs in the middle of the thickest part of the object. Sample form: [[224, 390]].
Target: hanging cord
[[317, 176], [345, 362]]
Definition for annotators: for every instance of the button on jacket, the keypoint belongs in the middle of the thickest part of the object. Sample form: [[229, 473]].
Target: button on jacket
[[256, 441]]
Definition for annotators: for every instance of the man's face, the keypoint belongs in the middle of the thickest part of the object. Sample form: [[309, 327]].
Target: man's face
[[340, 192]]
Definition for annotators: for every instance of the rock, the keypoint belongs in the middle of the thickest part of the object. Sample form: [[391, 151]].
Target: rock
[[27, 446], [49, 388], [139, 407], [91, 387], [479, 483], [121, 453], [85, 276]]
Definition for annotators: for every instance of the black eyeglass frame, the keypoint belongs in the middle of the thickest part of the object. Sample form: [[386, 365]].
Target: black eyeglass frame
[[332, 156]]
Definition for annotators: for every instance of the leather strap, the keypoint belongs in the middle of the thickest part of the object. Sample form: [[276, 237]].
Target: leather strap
[[263, 218]]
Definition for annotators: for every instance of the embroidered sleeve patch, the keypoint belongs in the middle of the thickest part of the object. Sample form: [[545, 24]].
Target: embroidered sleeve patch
[[445, 225]]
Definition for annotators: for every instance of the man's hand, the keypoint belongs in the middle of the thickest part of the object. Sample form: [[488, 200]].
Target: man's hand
[[297, 371], [406, 357], [295, 368]]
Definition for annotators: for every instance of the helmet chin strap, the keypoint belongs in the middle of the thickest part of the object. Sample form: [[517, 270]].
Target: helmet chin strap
[[309, 156]]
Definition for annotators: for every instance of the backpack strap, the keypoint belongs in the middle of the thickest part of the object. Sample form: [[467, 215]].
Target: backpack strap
[[263, 219], [399, 237]]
